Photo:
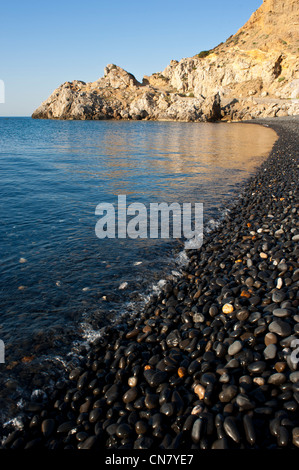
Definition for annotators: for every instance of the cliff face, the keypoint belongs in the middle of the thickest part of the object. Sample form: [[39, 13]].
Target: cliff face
[[253, 74]]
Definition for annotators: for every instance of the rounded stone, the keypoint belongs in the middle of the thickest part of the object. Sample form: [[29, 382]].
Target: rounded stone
[[270, 338], [282, 437], [277, 379], [249, 429], [81, 436], [200, 391], [295, 435], [280, 366], [242, 315], [141, 427], [278, 296], [167, 409], [294, 377], [281, 312], [270, 351], [234, 348], [132, 381], [231, 429], [88, 443], [228, 393], [244, 402], [227, 308], [208, 378], [123, 431], [280, 328], [257, 367], [48, 426], [95, 415], [151, 400], [66, 427]]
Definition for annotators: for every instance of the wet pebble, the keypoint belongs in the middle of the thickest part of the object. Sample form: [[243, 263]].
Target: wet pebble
[[123, 431], [130, 395], [141, 427], [228, 393], [88, 443], [234, 348], [270, 338], [280, 328], [207, 363], [281, 312], [244, 402], [155, 378], [249, 429], [295, 436], [277, 379], [167, 409], [227, 308], [200, 391], [257, 367], [66, 427], [231, 429], [47, 427], [278, 296]]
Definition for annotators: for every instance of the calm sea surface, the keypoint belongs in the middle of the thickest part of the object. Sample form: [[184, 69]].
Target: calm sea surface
[[59, 281]]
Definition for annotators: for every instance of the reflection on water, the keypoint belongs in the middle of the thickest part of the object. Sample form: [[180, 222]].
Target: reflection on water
[[129, 153]]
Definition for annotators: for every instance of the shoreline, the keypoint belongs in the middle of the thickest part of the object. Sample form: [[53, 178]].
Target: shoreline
[[190, 396]]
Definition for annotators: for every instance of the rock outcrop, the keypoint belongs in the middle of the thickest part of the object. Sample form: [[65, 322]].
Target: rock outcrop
[[118, 95], [253, 74]]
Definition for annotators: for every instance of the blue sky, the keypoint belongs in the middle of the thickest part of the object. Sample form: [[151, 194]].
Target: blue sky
[[44, 44]]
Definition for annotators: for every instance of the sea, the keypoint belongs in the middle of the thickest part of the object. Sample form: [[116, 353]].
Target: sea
[[60, 284]]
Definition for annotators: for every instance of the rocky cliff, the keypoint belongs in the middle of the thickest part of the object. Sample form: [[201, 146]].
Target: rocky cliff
[[253, 74]]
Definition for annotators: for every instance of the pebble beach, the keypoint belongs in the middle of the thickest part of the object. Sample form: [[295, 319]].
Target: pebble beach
[[211, 362]]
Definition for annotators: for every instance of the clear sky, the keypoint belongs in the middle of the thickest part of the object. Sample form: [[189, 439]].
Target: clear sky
[[45, 43]]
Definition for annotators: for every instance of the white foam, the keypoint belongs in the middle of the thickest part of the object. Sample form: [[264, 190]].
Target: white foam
[[88, 334]]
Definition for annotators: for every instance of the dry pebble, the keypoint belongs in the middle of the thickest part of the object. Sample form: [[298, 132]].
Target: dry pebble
[[227, 308]]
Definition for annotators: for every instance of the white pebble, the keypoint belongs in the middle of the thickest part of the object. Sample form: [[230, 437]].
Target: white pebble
[[23, 260], [279, 283], [132, 381]]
